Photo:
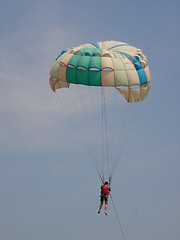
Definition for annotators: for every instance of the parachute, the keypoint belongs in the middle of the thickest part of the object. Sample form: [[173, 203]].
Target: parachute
[[100, 87]]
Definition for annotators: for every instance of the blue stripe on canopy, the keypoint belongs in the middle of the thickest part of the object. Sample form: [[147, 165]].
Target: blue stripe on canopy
[[95, 45], [138, 67], [142, 76], [119, 45], [126, 55]]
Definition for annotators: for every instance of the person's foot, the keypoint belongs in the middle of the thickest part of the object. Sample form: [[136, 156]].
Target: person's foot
[[105, 213], [98, 212]]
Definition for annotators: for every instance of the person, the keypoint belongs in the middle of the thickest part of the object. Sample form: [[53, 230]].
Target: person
[[105, 191]]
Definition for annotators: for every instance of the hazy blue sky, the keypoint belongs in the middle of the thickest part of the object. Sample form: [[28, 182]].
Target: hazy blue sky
[[42, 167]]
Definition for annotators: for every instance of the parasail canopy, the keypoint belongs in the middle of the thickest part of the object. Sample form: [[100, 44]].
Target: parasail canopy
[[90, 77], [110, 63]]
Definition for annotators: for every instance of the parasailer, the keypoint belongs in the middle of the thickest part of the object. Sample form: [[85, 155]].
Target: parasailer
[[91, 78], [105, 191]]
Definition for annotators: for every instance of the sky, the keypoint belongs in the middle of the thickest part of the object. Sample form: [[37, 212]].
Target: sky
[[48, 187]]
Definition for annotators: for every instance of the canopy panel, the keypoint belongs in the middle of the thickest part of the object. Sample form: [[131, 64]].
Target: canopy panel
[[135, 95]]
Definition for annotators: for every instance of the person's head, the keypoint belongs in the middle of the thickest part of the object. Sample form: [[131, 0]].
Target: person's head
[[106, 183]]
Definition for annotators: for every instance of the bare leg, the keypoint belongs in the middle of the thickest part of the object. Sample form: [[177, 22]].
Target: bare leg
[[100, 207], [106, 206]]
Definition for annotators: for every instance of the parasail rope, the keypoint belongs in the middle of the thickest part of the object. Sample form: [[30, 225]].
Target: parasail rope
[[102, 129], [84, 133], [120, 226], [76, 131], [82, 126], [106, 136], [130, 120]]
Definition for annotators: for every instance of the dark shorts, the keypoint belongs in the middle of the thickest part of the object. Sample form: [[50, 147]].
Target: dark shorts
[[104, 197]]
